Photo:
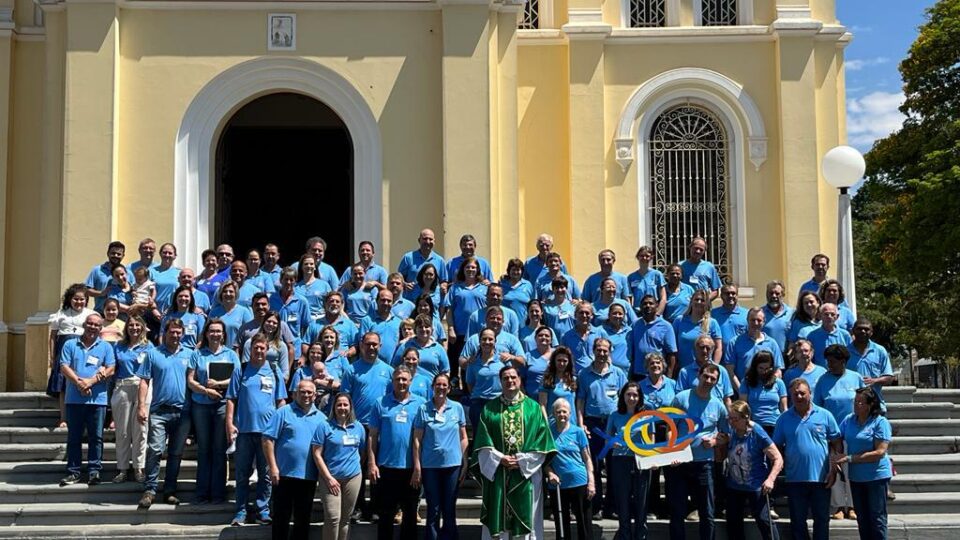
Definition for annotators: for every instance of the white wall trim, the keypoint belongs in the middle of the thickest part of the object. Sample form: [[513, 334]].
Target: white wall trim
[[213, 106], [3, 328], [741, 119], [207, 5]]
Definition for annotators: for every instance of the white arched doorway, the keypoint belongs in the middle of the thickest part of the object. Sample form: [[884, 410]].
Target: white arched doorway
[[214, 105]]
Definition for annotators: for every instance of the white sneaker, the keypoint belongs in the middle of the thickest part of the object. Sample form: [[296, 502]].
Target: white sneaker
[[693, 516]]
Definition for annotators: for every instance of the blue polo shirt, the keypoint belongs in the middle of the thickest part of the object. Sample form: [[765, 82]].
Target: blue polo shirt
[[543, 287], [358, 303], [168, 372], [233, 320], [295, 312], [582, 346], [687, 332], [200, 300], [660, 395], [799, 327], [115, 292], [374, 272], [478, 320], [534, 267], [599, 392], [454, 265], [568, 462], [440, 446], [277, 356], [263, 281], [366, 383], [435, 295], [873, 363], [689, 378], [394, 420], [812, 376], [863, 438], [702, 275], [615, 424], [821, 339], [387, 328], [746, 461], [836, 394], [200, 364], [256, 391], [210, 285], [421, 385], [342, 446], [192, 326], [291, 429], [315, 292], [137, 264], [411, 263], [650, 282], [517, 297], [484, 378], [507, 343], [433, 357], [677, 302], [621, 342], [528, 339], [129, 358], [740, 353], [559, 390], [764, 402], [559, 317], [591, 287], [654, 336], [403, 308], [601, 312], [778, 325], [98, 278], [533, 372], [733, 323], [807, 442], [245, 293], [85, 361], [166, 282], [329, 275], [711, 412], [810, 285], [464, 300], [345, 328], [847, 318]]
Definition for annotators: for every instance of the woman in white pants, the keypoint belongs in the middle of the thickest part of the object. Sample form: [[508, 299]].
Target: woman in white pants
[[131, 434]]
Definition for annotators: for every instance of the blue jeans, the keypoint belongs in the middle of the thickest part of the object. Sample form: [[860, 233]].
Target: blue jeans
[[82, 418], [169, 428], [870, 502], [737, 501], [804, 498], [250, 452], [211, 451], [440, 487], [690, 479], [628, 486]]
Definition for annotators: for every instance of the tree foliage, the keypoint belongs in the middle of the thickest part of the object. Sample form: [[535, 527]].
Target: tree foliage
[[907, 214]]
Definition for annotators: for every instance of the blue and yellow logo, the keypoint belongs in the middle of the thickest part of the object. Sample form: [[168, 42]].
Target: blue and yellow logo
[[681, 431]]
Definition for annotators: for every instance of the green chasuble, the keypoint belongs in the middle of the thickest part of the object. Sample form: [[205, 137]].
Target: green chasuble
[[510, 429]]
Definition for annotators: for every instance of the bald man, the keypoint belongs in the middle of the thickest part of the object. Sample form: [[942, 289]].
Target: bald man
[[413, 261]]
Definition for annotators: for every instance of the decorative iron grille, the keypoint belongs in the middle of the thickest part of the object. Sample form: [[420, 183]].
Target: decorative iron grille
[[688, 176], [531, 15], [719, 12], [648, 13]]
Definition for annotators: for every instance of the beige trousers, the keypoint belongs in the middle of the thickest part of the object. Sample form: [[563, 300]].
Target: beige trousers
[[337, 508], [131, 434]]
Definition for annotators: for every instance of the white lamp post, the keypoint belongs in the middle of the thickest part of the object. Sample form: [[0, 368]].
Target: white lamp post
[[843, 166]]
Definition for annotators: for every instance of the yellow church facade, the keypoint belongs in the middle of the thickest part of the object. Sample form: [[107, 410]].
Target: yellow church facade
[[607, 123]]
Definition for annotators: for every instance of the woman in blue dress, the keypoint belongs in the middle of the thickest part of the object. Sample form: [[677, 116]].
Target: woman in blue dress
[[559, 381]]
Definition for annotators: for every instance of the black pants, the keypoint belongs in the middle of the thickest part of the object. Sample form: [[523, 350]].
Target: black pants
[[454, 348], [572, 500], [364, 503], [393, 491], [600, 501], [292, 496], [737, 500]]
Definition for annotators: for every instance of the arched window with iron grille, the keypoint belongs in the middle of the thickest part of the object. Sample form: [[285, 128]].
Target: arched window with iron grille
[[689, 185]]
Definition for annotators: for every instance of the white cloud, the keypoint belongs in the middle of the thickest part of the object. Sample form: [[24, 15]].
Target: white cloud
[[860, 63], [873, 117]]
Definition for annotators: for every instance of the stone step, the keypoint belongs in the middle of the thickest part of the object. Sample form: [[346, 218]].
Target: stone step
[[29, 417], [899, 394], [41, 435], [58, 452], [919, 410], [50, 472], [926, 483], [106, 493], [945, 444], [935, 395], [913, 427], [926, 463], [27, 400]]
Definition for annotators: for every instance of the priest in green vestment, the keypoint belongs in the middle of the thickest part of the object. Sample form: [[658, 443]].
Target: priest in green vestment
[[511, 445]]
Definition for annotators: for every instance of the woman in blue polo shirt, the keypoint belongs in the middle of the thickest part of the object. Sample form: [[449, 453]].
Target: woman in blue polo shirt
[[694, 323], [439, 444], [620, 333], [483, 374], [424, 305], [433, 357], [336, 450], [465, 296], [427, 283], [606, 300], [657, 390], [183, 307], [867, 433], [230, 312], [517, 292], [534, 321], [278, 355], [538, 361], [753, 463], [628, 484], [571, 469], [645, 280], [358, 300], [559, 381], [310, 286], [209, 409], [131, 438], [764, 391], [678, 294]]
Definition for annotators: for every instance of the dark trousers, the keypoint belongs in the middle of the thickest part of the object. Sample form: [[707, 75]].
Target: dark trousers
[[870, 502], [84, 418], [596, 446], [454, 348], [394, 491], [737, 501], [364, 503], [292, 496], [805, 498], [572, 500], [655, 504], [628, 486], [690, 479], [440, 486]]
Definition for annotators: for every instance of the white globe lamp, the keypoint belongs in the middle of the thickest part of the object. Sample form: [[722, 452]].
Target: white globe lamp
[[843, 167]]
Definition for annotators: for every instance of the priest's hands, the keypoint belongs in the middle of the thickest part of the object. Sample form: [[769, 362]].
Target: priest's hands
[[509, 462]]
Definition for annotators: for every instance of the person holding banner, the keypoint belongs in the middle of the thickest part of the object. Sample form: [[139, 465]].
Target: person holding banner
[[628, 483]]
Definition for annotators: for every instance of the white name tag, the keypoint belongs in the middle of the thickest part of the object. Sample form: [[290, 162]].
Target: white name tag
[[140, 358], [401, 417], [611, 393], [349, 440], [266, 384], [92, 360], [440, 418]]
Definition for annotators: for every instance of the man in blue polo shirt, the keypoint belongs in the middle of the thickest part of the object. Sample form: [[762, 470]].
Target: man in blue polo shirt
[[731, 316], [317, 247], [86, 363], [412, 261], [389, 451], [869, 358], [385, 324], [494, 296], [374, 275], [591, 287], [777, 315], [164, 372], [651, 333], [581, 338], [808, 433], [820, 264], [828, 333], [293, 308], [739, 355], [508, 345], [334, 317], [698, 272], [271, 263], [254, 394], [699, 402], [468, 248], [535, 266], [99, 277], [689, 376], [293, 472]]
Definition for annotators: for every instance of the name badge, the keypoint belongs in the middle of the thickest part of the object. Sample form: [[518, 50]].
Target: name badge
[[440, 418], [350, 440], [565, 315], [191, 329], [92, 360], [401, 417], [694, 280], [140, 358], [266, 384], [292, 318], [611, 393]]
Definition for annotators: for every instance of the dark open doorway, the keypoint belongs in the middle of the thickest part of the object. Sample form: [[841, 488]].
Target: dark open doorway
[[284, 174]]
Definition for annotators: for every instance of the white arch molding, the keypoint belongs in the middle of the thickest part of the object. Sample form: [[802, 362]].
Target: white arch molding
[[741, 119], [213, 106]]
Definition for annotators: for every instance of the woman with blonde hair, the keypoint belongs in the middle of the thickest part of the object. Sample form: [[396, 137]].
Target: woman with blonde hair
[[131, 440], [696, 321], [337, 445]]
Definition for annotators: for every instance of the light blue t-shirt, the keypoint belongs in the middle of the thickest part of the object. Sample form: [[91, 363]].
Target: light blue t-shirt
[[800, 327], [387, 328], [689, 378], [660, 395], [233, 320], [358, 303], [85, 362], [581, 346], [601, 312], [528, 339], [478, 320], [200, 364], [517, 297], [129, 358], [346, 329], [568, 461], [764, 401], [657, 335], [812, 376], [555, 392], [433, 357], [687, 332], [193, 324], [167, 371], [484, 378], [440, 447], [256, 391], [533, 372], [702, 275], [747, 467], [543, 287], [410, 266], [559, 317], [821, 339], [315, 292], [711, 412], [740, 353], [342, 446], [599, 392], [507, 343], [873, 363], [534, 267], [295, 312], [98, 278], [291, 428], [650, 283], [394, 420], [621, 342], [677, 302], [366, 382], [166, 282], [454, 265], [863, 438], [733, 323], [807, 443], [464, 300], [778, 325], [591, 287], [836, 393]]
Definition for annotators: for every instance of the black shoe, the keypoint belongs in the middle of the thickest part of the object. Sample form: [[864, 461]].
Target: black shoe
[[94, 479], [146, 501], [355, 516], [69, 479]]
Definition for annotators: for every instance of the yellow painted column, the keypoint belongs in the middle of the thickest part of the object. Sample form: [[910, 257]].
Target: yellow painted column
[[6, 109], [508, 244], [467, 132], [586, 32]]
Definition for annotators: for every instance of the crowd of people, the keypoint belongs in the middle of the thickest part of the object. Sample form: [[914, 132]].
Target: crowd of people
[[361, 386]]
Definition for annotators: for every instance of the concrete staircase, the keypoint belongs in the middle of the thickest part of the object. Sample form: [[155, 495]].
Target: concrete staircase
[[926, 454]]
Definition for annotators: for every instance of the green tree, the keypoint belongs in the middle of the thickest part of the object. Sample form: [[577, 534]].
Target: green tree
[[907, 213]]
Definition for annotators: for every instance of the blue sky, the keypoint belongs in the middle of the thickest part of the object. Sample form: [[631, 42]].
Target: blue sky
[[883, 31]]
